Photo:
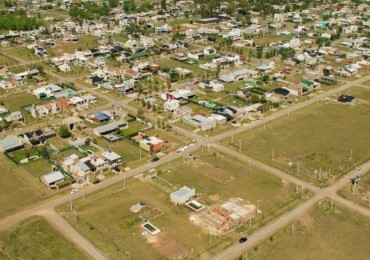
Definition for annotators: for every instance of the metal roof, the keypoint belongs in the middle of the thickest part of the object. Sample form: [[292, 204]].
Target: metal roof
[[53, 177]]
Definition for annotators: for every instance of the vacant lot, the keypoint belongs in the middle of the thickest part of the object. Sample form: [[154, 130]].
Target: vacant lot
[[17, 188], [361, 194], [34, 238], [323, 234], [270, 39], [7, 62], [315, 143], [106, 220]]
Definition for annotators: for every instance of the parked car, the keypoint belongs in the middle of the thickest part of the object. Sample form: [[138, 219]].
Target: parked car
[[154, 178], [191, 157], [242, 240], [96, 181], [155, 159], [74, 191]]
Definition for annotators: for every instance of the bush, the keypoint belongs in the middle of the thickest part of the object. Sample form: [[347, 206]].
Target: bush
[[64, 131]]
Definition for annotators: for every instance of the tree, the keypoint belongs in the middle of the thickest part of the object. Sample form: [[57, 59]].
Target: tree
[[163, 5], [230, 8], [64, 131], [43, 151]]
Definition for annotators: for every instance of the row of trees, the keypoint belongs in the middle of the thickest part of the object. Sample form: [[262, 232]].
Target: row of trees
[[18, 21]]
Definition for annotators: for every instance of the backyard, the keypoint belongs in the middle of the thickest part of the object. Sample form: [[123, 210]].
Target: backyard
[[314, 143], [322, 234], [34, 238]]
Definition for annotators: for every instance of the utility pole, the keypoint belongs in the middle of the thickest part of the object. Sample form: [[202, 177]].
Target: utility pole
[[74, 211], [249, 166], [292, 229], [250, 222], [350, 155], [70, 201], [272, 154], [332, 202], [297, 169], [83, 192], [302, 193]]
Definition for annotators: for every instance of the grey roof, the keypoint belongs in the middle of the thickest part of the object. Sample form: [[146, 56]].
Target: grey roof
[[110, 126], [53, 177], [9, 143], [83, 166], [182, 192]]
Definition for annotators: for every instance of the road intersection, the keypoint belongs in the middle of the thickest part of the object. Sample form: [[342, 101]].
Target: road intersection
[[46, 208]]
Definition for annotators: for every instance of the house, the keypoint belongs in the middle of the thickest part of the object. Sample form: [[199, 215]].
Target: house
[[15, 117], [10, 143], [52, 179], [151, 144], [64, 68], [100, 117], [243, 93], [110, 127], [200, 121], [171, 105], [280, 94], [111, 157], [182, 195], [47, 91], [211, 84]]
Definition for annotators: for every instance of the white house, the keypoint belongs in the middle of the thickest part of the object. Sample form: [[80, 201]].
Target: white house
[[171, 105], [182, 195], [213, 85]]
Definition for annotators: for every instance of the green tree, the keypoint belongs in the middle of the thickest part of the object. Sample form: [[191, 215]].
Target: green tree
[[64, 131]]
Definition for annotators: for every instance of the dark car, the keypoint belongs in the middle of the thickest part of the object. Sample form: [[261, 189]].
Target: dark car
[[242, 240], [155, 159], [96, 181]]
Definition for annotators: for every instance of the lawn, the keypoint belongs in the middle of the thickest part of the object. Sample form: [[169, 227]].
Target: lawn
[[6, 61], [84, 42], [23, 154], [18, 189], [24, 53], [321, 234], [105, 219], [58, 142], [34, 238], [37, 168], [269, 39], [15, 102], [361, 193], [315, 143]]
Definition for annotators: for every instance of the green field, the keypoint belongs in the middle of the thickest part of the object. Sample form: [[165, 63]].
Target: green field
[[34, 238], [6, 61], [317, 137], [106, 220], [18, 189], [322, 234], [361, 193]]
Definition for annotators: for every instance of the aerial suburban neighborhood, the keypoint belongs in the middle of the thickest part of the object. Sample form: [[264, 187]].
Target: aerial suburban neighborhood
[[184, 129]]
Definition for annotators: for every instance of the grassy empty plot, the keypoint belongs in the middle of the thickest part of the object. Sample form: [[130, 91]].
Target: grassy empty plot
[[322, 234], [269, 39], [315, 143], [38, 167], [17, 188], [23, 53], [58, 142], [6, 61], [361, 194], [15, 102], [84, 42], [23, 154], [34, 238]]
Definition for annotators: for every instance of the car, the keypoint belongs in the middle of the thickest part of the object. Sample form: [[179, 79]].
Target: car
[[74, 191], [116, 169], [154, 178], [96, 181], [155, 159], [242, 240], [192, 157]]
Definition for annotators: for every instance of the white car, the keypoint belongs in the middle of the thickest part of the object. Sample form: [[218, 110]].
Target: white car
[[74, 191]]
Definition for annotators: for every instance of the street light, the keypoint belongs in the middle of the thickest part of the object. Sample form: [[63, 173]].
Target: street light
[[129, 254]]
